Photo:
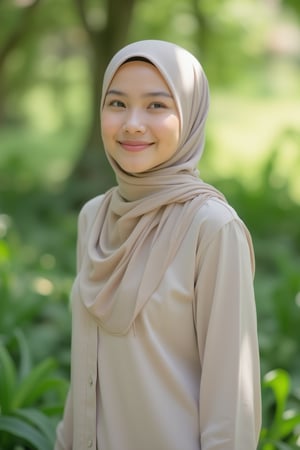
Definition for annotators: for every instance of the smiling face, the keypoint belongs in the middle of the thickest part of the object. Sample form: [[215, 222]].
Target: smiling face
[[139, 121]]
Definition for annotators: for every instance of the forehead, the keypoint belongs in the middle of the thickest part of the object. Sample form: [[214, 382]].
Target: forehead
[[138, 72]]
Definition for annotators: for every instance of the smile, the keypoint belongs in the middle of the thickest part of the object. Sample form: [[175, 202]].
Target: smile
[[135, 146]]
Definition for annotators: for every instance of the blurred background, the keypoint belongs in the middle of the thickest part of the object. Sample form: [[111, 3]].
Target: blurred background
[[52, 57]]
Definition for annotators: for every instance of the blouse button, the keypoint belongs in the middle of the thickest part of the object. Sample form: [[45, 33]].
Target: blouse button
[[90, 443], [91, 381]]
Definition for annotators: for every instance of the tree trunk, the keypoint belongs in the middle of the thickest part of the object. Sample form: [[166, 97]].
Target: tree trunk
[[92, 173]]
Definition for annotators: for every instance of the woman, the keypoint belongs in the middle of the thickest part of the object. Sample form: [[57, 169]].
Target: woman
[[164, 340]]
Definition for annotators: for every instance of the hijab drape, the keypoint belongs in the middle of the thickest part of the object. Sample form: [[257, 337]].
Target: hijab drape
[[142, 221]]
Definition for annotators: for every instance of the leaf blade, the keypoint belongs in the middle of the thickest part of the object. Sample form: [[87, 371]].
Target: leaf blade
[[31, 383], [22, 430]]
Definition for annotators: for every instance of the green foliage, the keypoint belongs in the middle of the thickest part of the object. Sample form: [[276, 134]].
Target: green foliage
[[34, 288], [281, 428], [294, 6], [30, 398]]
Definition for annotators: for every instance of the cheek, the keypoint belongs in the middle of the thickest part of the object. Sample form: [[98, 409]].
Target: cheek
[[171, 129], [109, 126]]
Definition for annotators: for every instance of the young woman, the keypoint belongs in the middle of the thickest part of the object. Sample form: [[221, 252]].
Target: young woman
[[164, 340]]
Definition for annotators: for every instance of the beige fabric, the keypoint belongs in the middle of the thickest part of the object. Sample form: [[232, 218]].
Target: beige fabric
[[186, 375], [164, 341]]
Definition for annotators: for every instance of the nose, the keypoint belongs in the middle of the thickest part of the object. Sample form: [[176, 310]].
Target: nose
[[134, 122]]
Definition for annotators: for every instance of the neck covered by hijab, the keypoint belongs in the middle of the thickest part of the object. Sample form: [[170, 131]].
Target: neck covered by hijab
[[141, 223]]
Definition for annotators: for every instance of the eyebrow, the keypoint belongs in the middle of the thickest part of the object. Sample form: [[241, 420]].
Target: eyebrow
[[147, 94]]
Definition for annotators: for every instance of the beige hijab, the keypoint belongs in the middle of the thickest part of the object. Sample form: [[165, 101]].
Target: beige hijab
[[142, 222]]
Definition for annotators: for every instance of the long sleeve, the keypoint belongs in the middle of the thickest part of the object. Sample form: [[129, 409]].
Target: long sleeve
[[230, 397], [64, 430], [68, 429]]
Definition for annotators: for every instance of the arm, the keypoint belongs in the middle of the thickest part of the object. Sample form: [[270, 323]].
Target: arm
[[64, 431], [230, 402]]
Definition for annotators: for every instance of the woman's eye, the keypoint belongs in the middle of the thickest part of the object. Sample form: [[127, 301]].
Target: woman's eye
[[157, 105], [117, 104]]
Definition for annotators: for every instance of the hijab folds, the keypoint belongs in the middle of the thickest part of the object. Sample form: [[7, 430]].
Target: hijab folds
[[142, 221]]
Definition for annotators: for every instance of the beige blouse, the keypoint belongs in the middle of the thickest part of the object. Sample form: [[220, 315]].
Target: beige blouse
[[186, 376]]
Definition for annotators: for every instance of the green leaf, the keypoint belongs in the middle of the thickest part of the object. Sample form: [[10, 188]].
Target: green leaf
[[289, 423], [7, 379], [31, 384], [17, 427], [58, 385], [53, 409], [279, 381], [25, 358], [268, 446], [283, 446], [5, 253], [40, 421]]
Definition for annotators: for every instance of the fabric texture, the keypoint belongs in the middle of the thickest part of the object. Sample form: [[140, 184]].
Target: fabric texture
[[142, 221]]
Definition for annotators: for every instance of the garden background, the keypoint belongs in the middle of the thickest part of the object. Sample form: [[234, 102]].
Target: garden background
[[52, 56]]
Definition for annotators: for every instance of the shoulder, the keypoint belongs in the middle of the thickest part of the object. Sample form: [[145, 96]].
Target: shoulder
[[218, 222], [92, 205], [213, 217], [214, 214], [89, 211]]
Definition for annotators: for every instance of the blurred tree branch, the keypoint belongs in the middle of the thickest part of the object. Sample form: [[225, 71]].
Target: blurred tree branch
[[17, 34], [80, 5], [9, 45], [294, 5], [203, 23]]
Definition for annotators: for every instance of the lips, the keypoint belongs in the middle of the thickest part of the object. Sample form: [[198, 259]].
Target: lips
[[135, 146]]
